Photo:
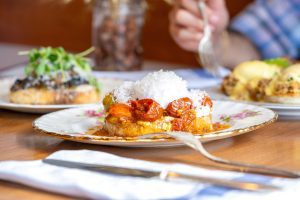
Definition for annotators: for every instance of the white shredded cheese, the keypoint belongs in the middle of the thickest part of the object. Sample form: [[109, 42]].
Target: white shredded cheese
[[124, 93], [197, 97], [163, 87]]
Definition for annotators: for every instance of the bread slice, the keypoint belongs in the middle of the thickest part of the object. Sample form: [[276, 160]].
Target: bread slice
[[200, 125], [81, 94]]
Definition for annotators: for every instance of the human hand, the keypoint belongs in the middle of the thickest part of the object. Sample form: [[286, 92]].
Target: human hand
[[186, 22]]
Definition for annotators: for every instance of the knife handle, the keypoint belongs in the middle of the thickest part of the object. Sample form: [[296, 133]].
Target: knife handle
[[241, 185]]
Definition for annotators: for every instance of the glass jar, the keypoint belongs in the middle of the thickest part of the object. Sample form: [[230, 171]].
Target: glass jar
[[117, 26]]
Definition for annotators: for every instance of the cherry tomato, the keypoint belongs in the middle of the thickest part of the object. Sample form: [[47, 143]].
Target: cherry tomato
[[185, 122], [207, 102], [179, 106], [188, 117], [177, 124], [147, 110], [120, 110]]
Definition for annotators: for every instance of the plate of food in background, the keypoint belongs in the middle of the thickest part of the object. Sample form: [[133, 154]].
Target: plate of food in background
[[54, 79], [273, 84], [141, 113]]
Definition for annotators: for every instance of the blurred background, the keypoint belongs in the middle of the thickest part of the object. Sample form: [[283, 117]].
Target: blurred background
[[68, 23]]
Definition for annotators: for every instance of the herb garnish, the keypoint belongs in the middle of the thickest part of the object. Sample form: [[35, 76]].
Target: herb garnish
[[49, 60], [281, 62]]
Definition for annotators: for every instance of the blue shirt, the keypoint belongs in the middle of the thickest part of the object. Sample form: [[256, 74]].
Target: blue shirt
[[273, 26]]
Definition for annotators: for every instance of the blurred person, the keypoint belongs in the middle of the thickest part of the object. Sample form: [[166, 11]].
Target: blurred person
[[265, 29]]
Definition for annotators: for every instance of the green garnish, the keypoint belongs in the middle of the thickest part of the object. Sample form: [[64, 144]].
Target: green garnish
[[48, 60], [290, 79], [45, 60], [281, 62]]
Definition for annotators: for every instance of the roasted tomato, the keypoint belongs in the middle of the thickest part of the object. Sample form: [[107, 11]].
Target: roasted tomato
[[179, 106], [185, 122], [120, 110], [207, 102], [147, 110], [177, 124]]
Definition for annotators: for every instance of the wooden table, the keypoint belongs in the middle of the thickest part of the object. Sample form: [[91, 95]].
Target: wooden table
[[276, 145]]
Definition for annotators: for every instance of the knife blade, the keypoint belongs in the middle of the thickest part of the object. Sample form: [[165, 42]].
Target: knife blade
[[163, 175]]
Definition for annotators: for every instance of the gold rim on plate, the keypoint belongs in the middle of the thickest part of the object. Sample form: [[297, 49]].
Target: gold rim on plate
[[108, 140]]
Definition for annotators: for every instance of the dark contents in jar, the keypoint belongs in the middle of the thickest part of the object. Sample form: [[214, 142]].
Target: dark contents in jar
[[117, 41]]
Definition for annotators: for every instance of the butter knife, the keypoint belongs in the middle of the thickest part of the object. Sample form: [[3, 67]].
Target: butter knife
[[163, 175]]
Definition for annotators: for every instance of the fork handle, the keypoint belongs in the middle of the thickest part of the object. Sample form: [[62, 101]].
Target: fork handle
[[193, 142], [245, 167], [202, 8]]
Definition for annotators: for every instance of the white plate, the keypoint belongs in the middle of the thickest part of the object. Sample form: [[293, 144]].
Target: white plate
[[286, 111], [73, 124], [5, 84]]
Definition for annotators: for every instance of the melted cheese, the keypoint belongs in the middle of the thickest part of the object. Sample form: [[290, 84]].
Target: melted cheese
[[291, 73], [254, 70]]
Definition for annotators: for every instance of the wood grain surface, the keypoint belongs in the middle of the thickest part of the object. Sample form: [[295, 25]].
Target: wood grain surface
[[276, 145]]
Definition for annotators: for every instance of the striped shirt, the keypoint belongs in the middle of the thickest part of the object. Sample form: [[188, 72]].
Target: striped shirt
[[273, 26]]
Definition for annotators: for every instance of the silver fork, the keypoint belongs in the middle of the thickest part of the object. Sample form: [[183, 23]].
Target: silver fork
[[190, 140], [193, 142], [205, 48]]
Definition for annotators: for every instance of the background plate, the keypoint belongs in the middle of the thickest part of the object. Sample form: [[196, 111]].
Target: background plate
[[107, 85], [285, 111], [72, 124]]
